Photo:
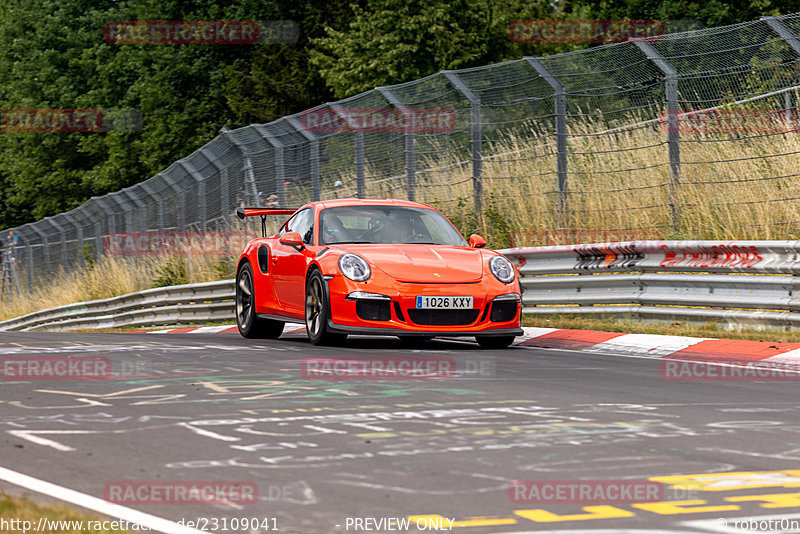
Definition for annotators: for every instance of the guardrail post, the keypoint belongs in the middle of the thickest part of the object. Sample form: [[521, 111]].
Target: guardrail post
[[280, 164], [313, 145], [476, 139], [359, 146], [673, 125], [560, 105], [411, 155]]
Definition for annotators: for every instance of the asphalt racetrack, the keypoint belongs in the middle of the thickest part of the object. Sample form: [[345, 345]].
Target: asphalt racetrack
[[328, 454]]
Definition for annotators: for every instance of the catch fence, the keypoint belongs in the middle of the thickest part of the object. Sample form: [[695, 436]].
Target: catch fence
[[690, 135]]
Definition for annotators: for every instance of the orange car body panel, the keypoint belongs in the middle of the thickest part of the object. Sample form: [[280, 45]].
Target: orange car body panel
[[399, 271]]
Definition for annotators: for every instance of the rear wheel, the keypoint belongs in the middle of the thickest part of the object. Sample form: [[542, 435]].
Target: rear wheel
[[494, 342], [250, 325], [318, 312]]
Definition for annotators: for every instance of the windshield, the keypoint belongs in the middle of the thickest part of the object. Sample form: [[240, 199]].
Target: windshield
[[386, 224]]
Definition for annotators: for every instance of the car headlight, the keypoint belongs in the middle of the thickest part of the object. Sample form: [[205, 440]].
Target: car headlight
[[502, 269], [354, 267]]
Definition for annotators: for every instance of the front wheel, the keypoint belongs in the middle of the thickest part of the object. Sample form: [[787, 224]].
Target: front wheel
[[494, 342], [318, 312], [249, 324]]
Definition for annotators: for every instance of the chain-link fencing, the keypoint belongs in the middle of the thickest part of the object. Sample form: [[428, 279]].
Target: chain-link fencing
[[683, 136]]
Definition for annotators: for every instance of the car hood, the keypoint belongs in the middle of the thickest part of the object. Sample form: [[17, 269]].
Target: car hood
[[443, 264]]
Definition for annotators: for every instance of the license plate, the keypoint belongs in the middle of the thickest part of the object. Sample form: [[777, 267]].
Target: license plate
[[446, 303]]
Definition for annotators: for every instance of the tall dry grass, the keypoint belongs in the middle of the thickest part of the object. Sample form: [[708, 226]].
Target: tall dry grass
[[731, 188], [112, 276]]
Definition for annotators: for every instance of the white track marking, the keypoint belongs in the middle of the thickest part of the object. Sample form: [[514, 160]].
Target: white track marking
[[95, 504], [654, 345], [208, 433]]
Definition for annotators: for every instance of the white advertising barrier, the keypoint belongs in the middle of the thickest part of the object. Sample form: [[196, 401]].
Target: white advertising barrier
[[737, 283], [753, 283]]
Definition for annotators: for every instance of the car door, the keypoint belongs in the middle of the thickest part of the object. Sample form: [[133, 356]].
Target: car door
[[289, 265]]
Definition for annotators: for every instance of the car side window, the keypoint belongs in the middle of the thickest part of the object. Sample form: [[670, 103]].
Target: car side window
[[303, 224]]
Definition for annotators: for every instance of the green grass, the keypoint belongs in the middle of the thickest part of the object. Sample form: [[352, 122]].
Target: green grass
[[24, 508]]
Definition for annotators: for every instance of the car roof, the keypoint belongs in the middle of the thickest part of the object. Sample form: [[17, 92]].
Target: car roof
[[341, 202]]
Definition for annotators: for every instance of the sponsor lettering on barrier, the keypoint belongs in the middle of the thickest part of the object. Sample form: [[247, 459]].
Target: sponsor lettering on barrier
[[715, 256], [605, 257]]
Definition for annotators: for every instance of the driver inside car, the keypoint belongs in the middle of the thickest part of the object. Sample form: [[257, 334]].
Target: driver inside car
[[334, 230]]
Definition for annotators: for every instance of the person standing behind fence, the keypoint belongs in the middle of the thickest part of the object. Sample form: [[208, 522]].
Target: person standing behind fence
[[13, 245]]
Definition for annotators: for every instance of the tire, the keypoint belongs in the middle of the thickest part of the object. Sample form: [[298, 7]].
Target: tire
[[318, 312], [494, 342], [250, 325]]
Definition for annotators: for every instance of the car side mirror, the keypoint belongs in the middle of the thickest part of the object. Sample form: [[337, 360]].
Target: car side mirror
[[476, 241], [292, 239]]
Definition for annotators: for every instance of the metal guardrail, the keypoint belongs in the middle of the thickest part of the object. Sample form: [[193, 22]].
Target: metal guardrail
[[174, 305], [747, 283], [753, 283]]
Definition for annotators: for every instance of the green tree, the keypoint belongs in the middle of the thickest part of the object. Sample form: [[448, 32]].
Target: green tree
[[390, 41]]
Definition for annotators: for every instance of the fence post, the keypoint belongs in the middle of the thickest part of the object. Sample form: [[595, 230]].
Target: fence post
[[411, 155], [140, 205], [673, 126], [45, 245], [224, 201], [280, 164], [784, 32], [313, 142], [476, 140], [181, 197], [359, 147], [201, 189], [79, 230], [560, 110], [159, 204], [60, 229]]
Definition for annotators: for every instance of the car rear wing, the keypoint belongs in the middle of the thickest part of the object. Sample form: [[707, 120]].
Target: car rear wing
[[262, 212]]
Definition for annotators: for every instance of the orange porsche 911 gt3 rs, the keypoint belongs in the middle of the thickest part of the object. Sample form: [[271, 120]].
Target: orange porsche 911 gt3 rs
[[381, 267]]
